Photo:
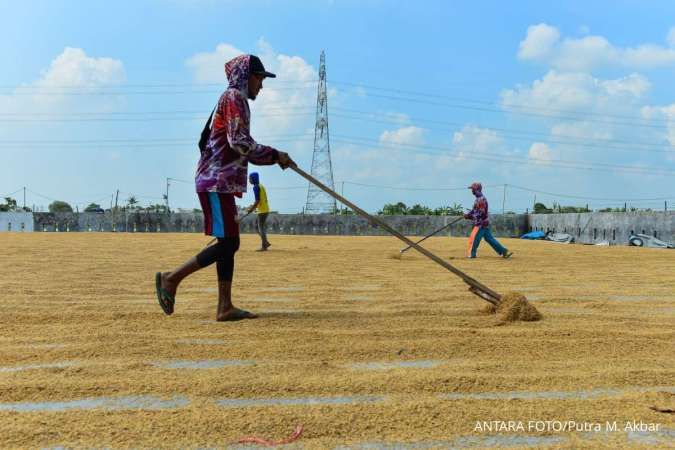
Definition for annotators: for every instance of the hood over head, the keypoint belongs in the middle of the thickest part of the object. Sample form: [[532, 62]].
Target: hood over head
[[237, 71]]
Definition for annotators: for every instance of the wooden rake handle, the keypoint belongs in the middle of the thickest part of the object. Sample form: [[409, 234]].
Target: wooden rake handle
[[476, 287], [434, 233]]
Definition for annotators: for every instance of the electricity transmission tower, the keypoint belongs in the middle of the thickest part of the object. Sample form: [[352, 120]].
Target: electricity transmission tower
[[318, 201]]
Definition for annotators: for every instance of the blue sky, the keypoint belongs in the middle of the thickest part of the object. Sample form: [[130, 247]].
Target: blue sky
[[572, 98]]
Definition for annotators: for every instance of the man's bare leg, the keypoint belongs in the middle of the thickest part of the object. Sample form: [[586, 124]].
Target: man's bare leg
[[226, 310], [171, 280]]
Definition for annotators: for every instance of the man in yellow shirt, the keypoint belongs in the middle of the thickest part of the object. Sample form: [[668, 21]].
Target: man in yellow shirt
[[263, 209]]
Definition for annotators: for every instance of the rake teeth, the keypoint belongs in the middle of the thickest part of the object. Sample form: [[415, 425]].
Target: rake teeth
[[484, 295]]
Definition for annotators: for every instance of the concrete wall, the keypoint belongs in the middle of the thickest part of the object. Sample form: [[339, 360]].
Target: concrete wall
[[509, 225], [614, 227], [16, 221], [585, 227], [132, 222]]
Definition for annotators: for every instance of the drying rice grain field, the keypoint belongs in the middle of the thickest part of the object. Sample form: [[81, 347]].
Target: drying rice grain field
[[361, 349]]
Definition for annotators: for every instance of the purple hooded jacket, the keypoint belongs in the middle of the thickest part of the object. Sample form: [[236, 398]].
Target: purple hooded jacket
[[224, 163]]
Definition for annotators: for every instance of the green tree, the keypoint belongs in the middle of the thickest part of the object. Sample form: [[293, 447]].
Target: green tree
[[9, 205], [345, 212], [131, 201], [454, 210], [419, 210], [92, 207], [394, 209], [157, 207], [60, 206], [572, 209], [540, 208]]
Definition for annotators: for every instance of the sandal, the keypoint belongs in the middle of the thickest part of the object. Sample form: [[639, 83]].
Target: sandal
[[166, 300], [238, 314]]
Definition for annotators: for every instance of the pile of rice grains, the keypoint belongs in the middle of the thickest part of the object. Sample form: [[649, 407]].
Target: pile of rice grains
[[514, 307]]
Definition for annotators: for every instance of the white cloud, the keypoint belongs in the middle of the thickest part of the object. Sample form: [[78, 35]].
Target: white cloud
[[667, 114], [542, 44], [558, 93], [540, 153], [581, 112], [539, 43], [73, 68], [476, 138], [580, 130], [72, 71], [410, 135], [593, 119], [396, 117], [209, 67], [670, 38]]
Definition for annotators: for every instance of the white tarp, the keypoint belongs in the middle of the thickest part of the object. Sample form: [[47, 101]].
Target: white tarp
[[643, 240], [16, 221], [561, 238]]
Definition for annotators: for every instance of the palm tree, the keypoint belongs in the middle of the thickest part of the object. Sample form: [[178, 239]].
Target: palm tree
[[131, 201]]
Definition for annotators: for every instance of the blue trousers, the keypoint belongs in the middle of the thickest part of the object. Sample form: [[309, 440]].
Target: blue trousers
[[477, 234]]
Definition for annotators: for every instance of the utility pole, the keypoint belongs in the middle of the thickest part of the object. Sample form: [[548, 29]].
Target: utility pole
[[504, 199], [342, 193], [114, 209], [167, 194], [24, 198]]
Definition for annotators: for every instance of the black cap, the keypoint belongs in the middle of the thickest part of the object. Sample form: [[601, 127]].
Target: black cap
[[256, 67]]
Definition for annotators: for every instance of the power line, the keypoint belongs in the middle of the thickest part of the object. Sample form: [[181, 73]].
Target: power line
[[499, 111], [123, 146], [584, 165], [151, 197], [607, 143], [146, 119], [152, 85], [268, 106], [411, 120], [131, 140], [546, 138], [87, 91], [181, 181], [379, 186], [464, 188], [522, 109], [487, 102], [40, 195], [569, 140], [12, 193], [83, 93], [577, 197]]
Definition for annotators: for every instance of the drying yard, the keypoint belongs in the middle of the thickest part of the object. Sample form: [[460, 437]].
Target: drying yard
[[361, 349]]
